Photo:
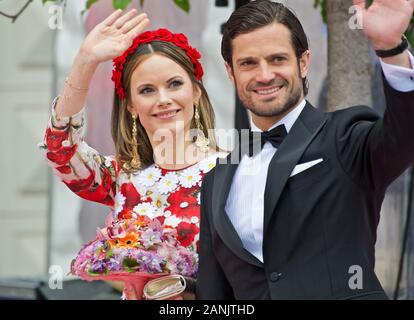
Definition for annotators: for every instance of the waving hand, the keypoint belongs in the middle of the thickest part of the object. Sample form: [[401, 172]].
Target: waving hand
[[385, 21], [114, 35]]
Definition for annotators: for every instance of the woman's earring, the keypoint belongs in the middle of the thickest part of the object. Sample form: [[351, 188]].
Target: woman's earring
[[201, 142], [135, 163]]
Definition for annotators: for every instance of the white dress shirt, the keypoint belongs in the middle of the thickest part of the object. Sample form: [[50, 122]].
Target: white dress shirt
[[245, 202]]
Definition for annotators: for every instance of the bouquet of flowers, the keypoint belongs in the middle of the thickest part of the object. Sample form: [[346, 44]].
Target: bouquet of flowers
[[134, 251]]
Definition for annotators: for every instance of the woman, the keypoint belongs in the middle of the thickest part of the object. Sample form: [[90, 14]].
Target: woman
[[160, 122]]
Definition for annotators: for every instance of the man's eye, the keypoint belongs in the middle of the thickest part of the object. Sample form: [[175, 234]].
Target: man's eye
[[247, 63], [279, 59], [176, 83]]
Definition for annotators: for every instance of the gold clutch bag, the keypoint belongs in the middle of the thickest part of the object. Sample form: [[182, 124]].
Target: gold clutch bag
[[167, 287]]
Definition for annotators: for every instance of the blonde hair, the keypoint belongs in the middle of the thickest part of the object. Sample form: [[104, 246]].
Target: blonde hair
[[121, 122]]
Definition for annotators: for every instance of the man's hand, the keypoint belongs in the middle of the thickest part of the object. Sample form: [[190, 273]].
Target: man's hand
[[385, 21]]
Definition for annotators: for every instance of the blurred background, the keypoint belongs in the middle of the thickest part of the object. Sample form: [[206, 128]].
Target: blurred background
[[43, 225]]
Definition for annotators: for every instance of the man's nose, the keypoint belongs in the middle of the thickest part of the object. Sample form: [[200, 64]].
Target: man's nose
[[265, 74]]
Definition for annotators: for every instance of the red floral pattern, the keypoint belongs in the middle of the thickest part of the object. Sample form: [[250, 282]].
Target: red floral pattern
[[183, 203], [54, 139], [186, 233], [131, 194], [81, 184], [63, 155], [64, 169], [146, 193], [96, 182]]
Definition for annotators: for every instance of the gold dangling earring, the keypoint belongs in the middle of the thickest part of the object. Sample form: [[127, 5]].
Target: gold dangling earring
[[134, 163], [201, 142]]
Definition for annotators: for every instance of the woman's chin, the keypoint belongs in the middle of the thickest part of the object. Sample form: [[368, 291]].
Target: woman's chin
[[167, 131]]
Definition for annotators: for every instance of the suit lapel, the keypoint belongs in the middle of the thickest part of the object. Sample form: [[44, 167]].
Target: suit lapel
[[285, 159], [223, 177]]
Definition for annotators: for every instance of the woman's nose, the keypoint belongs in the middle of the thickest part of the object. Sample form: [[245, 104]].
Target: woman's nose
[[163, 99]]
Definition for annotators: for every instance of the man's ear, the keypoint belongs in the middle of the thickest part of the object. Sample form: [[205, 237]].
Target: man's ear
[[304, 63], [229, 72]]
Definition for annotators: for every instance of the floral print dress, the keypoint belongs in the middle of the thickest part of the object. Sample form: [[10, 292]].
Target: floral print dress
[[153, 225]]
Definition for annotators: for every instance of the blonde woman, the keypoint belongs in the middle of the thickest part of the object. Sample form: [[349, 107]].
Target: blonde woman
[[160, 123]]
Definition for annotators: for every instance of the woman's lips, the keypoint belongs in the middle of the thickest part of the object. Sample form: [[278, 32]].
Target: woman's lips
[[166, 114]]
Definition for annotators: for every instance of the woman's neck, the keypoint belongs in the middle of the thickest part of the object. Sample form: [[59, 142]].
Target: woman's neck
[[176, 151]]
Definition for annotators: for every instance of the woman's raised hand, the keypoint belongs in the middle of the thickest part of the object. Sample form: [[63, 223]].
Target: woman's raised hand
[[106, 41], [114, 35]]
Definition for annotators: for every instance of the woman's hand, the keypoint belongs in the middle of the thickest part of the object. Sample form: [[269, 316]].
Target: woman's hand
[[113, 36], [106, 41]]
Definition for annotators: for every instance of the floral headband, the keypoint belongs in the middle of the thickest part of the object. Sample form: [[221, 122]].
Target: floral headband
[[179, 39]]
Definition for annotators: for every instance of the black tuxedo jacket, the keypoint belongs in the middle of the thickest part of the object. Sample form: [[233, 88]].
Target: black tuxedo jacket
[[319, 223]]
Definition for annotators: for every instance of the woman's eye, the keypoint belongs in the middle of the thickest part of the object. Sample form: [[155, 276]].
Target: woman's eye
[[145, 90], [175, 83]]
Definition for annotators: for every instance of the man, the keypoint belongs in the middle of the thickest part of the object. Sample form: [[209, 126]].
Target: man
[[304, 226]]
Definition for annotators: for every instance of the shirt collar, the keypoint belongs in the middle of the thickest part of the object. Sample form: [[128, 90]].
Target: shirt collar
[[288, 120]]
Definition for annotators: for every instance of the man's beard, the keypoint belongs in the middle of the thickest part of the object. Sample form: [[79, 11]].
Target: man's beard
[[276, 109]]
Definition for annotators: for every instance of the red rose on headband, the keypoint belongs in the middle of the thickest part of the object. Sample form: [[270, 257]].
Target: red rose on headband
[[178, 39], [181, 39]]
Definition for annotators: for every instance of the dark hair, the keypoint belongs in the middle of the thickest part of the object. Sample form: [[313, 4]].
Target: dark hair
[[258, 14]]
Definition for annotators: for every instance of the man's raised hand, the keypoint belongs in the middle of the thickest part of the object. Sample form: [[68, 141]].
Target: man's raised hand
[[385, 21]]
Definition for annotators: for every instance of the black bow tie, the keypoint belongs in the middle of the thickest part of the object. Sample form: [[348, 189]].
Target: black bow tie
[[274, 136]]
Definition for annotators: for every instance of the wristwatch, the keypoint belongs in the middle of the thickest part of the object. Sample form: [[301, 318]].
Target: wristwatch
[[395, 51]]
